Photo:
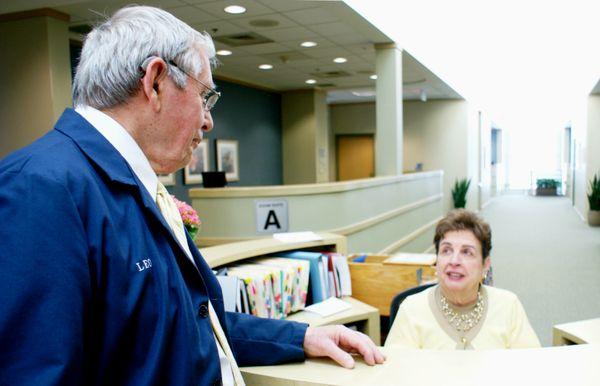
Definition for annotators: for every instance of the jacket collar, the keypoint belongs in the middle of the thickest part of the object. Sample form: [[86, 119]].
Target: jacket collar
[[99, 151]]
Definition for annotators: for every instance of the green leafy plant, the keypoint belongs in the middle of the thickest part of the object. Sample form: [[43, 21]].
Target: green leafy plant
[[547, 183], [459, 192], [594, 193]]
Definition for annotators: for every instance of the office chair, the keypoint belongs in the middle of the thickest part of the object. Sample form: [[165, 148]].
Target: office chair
[[399, 298]]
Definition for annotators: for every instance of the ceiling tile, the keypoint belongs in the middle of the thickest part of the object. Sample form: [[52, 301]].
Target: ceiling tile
[[164, 4], [282, 22], [267, 48], [191, 15], [218, 28], [286, 34], [253, 8], [331, 29], [327, 53], [312, 16], [348, 38], [286, 5]]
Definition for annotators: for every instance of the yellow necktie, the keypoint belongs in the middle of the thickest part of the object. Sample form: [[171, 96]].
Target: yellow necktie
[[171, 214], [220, 334]]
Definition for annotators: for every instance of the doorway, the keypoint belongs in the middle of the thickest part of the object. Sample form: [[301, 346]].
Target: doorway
[[355, 156]]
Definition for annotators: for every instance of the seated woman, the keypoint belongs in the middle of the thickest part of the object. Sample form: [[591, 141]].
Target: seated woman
[[461, 313]]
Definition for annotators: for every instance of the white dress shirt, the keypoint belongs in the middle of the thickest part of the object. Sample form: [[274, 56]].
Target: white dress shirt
[[135, 157]]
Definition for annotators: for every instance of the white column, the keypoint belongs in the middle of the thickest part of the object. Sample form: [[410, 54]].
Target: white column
[[388, 139]]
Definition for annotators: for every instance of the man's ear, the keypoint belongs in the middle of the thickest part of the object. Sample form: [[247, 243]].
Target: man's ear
[[152, 82]]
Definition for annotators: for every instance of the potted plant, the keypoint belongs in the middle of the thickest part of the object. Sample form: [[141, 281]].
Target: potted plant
[[546, 187], [459, 192], [594, 200]]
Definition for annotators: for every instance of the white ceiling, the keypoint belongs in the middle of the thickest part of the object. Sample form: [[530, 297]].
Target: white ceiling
[[337, 29]]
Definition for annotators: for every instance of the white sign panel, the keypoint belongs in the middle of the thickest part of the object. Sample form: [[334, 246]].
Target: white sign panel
[[271, 216]]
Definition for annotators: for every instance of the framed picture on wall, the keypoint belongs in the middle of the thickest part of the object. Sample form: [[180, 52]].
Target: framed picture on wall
[[228, 159], [198, 164], [167, 179]]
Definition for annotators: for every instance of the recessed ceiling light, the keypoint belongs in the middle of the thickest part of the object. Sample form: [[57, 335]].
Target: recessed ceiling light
[[311, 81], [308, 44], [265, 66], [340, 60], [224, 52], [374, 77], [234, 9]]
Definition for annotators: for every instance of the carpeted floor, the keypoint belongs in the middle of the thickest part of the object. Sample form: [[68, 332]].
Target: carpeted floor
[[548, 256]]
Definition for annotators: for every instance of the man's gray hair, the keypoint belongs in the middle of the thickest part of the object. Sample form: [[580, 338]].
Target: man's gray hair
[[109, 69]]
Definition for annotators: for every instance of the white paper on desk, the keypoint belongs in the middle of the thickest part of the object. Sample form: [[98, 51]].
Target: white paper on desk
[[294, 237], [411, 258], [329, 307]]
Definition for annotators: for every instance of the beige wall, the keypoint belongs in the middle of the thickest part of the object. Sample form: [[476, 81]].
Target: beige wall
[[442, 134], [305, 137], [35, 79], [351, 118], [355, 118]]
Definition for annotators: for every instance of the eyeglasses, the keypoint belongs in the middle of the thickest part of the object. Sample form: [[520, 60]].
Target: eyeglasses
[[210, 97]]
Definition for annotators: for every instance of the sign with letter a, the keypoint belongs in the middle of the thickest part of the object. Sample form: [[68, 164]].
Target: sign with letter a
[[271, 216]]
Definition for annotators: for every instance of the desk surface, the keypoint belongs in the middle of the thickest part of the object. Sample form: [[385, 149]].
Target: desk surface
[[566, 365], [584, 331]]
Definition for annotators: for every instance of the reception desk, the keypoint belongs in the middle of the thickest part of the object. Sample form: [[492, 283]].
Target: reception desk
[[567, 365], [381, 214]]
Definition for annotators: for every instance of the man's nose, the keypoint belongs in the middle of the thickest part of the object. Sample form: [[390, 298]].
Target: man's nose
[[207, 125]]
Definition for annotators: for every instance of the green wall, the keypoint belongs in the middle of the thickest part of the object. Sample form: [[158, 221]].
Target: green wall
[[253, 118]]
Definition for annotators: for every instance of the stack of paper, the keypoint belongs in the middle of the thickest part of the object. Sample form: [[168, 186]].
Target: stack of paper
[[259, 289], [340, 272], [295, 276], [329, 307], [235, 297], [273, 287]]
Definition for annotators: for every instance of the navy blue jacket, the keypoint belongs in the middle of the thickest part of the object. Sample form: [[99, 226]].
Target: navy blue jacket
[[95, 289]]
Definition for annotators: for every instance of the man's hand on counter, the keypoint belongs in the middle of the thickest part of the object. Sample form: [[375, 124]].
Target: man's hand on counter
[[338, 342]]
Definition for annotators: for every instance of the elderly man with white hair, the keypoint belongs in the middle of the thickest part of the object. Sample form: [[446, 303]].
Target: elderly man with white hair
[[111, 290]]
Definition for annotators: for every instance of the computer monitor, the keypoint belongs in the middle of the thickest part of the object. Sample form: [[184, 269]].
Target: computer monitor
[[213, 179]]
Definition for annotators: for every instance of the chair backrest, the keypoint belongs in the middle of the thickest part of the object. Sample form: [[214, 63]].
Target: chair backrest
[[399, 298]]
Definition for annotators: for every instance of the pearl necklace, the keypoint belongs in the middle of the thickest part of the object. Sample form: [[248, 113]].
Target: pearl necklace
[[463, 322]]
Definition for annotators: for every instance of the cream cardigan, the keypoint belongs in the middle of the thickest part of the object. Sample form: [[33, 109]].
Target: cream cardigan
[[420, 324]]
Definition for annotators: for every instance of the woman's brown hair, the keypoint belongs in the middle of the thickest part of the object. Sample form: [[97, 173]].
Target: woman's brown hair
[[464, 220]]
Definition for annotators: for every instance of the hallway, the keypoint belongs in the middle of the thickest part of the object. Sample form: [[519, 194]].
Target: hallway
[[543, 252]]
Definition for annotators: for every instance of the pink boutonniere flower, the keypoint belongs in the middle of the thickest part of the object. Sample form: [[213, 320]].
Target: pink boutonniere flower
[[190, 218]]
